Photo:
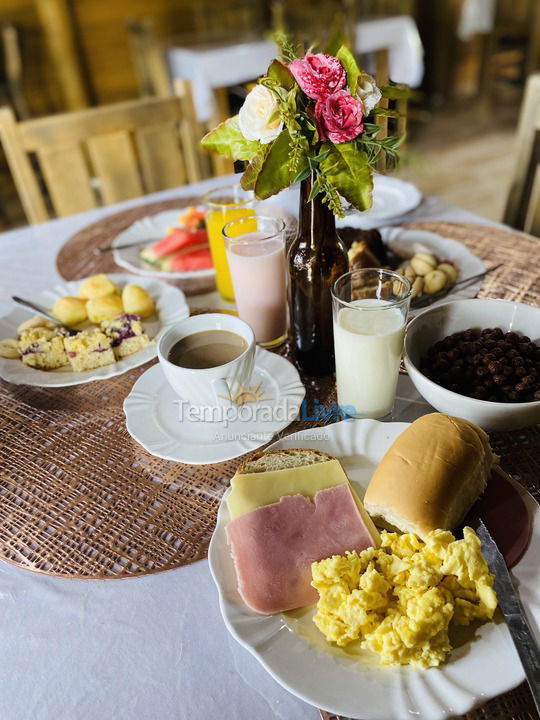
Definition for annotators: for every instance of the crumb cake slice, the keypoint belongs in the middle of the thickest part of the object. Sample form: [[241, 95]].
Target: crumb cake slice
[[42, 348], [126, 333], [88, 349]]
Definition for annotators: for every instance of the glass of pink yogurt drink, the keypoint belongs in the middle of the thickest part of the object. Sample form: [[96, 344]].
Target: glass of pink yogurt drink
[[256, 255]]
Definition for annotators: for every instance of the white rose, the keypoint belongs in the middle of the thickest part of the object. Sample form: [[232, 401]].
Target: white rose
[[368, 93], [255, 116]]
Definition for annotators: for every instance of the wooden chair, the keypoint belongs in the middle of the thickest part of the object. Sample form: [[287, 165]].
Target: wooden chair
[[523, 203], [13, 69], [99, 156], [155, 80]]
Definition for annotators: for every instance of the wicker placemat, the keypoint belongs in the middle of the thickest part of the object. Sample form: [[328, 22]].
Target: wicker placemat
[[79, 498], [77, 260]]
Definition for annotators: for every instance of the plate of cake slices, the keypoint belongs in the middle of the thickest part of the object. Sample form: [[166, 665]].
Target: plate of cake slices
[[357, 620], [107, 325]]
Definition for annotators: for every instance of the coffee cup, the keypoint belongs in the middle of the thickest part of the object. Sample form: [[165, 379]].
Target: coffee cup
[[194, 369]]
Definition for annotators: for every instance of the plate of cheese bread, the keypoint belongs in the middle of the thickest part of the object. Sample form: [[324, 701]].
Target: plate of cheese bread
[[106, 325], [344, 566]]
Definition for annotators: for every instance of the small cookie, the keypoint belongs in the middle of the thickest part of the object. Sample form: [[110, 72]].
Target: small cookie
[[70, 310], [97, 286], [104, 308], [137, 301]]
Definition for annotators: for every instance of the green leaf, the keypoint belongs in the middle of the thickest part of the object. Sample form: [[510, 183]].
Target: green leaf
[[251, 173], [347, 169], [335, 41], [396, 92], [281, 73], [315, 188], [227, 139], [275, 174], [347, 59], [385, 112], [371, 128], [302, 175]]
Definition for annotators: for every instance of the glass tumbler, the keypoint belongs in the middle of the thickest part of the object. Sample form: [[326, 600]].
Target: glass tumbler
[[222, 205], [256, 256], [370, 309]]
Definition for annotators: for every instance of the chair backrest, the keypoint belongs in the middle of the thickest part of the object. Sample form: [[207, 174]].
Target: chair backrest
[[98, 156], [523, 203], [150, 65], [155, 80], [13, 69]]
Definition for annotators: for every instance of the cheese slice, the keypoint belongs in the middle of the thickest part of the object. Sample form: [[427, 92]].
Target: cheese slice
[[254, 490]]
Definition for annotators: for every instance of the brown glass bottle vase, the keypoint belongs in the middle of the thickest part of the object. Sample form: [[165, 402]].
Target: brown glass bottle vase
[[316, 258]]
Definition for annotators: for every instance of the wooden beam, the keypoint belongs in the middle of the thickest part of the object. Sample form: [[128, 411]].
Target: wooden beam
[[57, 23]]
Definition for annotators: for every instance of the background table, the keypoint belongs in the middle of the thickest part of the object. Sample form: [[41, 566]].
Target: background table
[[145, 648], [209, 67]]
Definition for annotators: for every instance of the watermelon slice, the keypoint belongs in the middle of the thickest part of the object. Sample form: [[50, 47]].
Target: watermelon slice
[[177, 239], [188, 261]]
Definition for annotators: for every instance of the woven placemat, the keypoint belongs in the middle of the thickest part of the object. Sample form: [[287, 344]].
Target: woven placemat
[[76, 258], [79, 498]]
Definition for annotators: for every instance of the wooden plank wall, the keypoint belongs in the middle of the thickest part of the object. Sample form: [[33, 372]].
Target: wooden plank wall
[[100, 31], [40, 84]]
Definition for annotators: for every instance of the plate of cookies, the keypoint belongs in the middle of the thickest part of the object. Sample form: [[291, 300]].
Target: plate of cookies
[[107, 324]]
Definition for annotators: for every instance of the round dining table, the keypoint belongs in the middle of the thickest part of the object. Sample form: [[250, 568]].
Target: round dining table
[[149, 647]]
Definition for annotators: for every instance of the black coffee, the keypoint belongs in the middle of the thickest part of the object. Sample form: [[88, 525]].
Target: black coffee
[[207, 349]]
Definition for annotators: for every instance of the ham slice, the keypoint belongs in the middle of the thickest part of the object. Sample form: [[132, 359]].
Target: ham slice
[[273, 546]]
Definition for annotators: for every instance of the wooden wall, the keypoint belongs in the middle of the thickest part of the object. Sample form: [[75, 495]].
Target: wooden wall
[[101, 35], [41, 87]]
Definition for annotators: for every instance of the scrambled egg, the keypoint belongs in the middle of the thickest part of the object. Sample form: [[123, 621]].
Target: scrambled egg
[[400, 599]]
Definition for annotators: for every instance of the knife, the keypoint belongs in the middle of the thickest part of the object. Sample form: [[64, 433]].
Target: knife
[[511, 607], [111, 248]]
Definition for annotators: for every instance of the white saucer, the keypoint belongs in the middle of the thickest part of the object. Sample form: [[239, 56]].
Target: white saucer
[[157, 420]]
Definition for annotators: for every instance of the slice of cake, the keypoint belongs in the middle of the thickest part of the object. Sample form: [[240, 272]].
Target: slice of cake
[[126, 333], [88, 349], [42, 348]]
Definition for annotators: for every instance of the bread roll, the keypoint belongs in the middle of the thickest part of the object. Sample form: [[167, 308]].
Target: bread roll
[[137, 301], [70, 310], [97, 286], [431, 475], [104, 308]]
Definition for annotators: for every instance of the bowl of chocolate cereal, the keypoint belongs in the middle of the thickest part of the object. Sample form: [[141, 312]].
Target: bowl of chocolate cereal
[[478, 359]]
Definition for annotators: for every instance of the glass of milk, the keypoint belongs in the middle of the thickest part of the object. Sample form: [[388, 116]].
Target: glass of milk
[[370, 309], [256, 255]]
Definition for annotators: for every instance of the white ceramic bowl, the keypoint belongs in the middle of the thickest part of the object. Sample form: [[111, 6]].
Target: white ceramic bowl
[[436, 323]]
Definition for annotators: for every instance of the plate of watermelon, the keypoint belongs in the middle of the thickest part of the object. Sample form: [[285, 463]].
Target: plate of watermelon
[[171, 245]]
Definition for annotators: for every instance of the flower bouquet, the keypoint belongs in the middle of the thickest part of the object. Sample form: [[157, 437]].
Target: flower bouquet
[[307, 118]]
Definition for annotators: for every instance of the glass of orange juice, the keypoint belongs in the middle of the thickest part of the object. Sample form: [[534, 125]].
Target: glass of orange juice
[[222, 205]]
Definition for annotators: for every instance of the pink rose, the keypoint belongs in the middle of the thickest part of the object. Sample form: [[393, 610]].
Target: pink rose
[[339, 117], [318, 75]]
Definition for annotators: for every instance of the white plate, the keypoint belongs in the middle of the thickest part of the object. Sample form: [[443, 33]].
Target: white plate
[[170, 304], [392, 198], [156, 419], [408, 242], [155, 227], [297, 656], [151, 228]]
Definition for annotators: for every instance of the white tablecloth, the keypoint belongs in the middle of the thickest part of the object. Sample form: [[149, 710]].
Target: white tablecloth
[[477, 16], [218, 67], [151, 648], [399, 35], [209, 67]]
